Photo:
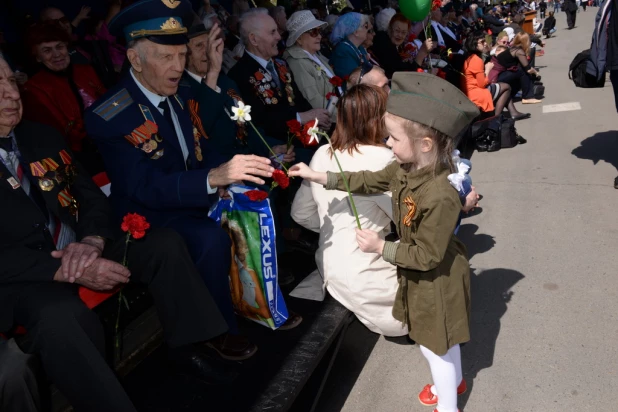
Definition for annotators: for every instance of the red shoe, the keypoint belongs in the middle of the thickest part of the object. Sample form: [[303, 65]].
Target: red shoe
[[427, 398]]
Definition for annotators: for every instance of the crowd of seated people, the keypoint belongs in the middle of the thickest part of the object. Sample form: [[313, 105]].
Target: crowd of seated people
[[287, 64]]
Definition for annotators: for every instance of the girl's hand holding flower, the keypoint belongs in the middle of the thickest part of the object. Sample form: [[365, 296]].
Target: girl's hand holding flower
[[305, 172], [369, 241]]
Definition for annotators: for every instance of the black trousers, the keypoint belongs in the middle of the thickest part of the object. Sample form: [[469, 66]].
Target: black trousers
[[20, 389], [68, 337], [571, 17], [518, 80]]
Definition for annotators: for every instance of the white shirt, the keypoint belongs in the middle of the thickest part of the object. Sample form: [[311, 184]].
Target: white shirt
[[199, 80], [155, 99]]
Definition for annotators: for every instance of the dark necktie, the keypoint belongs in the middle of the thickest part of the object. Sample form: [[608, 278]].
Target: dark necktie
[[167, 113], [271, 69]]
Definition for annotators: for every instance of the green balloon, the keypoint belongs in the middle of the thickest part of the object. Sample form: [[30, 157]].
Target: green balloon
[[415, 10]]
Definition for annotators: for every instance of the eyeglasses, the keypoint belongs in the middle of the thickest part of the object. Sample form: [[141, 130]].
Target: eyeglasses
[[365, 68], [315, 32]]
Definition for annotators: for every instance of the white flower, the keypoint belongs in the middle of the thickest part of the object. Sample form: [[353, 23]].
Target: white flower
[[241, 113], [313, 133]]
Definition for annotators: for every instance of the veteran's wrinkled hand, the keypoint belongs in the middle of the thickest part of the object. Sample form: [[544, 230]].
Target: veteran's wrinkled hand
[[102, 275], [77, 256], [242, 167]]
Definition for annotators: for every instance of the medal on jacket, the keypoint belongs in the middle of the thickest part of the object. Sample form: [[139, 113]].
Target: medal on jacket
[[407, 219], [46, 184]]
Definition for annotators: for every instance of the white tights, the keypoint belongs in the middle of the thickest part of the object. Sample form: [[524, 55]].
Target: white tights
[[446, 374]]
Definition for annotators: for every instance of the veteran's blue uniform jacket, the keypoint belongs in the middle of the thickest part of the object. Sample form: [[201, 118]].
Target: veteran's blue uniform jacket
[[144, 163]]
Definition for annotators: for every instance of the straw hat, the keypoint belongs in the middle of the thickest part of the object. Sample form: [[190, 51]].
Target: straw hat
[[301, 22]]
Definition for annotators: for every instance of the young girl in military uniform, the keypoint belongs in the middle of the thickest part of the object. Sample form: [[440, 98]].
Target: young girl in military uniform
[[424, 113]]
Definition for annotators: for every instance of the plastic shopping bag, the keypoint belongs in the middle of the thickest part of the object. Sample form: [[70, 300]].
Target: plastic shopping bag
[[247, 218]]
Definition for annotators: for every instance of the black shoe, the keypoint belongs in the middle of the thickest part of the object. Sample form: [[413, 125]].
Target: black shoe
[[195, 363], [616, 183], [232, 347], [521, 140], [522, 116]]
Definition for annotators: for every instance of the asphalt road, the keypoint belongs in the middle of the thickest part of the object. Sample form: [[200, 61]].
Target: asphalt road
[[544, 254]]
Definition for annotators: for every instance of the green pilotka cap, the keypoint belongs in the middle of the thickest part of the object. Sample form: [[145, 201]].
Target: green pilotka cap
[[430, 101]]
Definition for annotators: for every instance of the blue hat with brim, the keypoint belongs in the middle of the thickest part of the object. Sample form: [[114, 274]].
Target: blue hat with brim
[[160, 21]]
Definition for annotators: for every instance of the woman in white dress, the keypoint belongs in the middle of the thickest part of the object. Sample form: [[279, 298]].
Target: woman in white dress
[[363, 283]]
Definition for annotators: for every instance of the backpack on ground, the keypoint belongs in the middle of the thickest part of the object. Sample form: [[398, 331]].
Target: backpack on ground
[[579, 75]]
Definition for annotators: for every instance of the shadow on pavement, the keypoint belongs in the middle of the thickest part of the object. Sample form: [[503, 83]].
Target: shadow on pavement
[[475, 243], [602, 146], [491, 291]]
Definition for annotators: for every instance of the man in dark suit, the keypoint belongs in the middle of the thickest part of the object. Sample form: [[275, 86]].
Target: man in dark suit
[[55, 235], [157, 157], [217, 94], [266, 83]]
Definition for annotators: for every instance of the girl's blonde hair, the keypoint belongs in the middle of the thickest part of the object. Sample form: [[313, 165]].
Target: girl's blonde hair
[[443, 145]]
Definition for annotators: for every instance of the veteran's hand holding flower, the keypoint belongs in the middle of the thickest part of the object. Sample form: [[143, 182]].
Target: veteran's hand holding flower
[[321, 114], [369, 241], [288, 154], [77, 256]]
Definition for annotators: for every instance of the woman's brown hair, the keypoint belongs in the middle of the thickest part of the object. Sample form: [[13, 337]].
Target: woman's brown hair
[[48, 31], [522, 41], [398, 18], [360, 118]]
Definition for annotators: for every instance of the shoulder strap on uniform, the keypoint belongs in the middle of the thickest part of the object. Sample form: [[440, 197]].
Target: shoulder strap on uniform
[[114, 105]]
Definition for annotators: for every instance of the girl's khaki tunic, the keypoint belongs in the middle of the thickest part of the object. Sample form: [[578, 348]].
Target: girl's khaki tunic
[[432, 265]]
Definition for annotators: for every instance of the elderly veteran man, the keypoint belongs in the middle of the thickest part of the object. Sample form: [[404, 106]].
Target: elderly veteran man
[[266, 83], [217, 94], [157, 157], [55, 234]]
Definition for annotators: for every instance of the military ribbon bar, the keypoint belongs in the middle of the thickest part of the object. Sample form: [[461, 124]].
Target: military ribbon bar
[[37, 169], [50, 164], [65, 198], [194, 112], [66, 158]]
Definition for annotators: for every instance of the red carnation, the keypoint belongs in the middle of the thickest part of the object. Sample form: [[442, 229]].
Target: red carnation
[[336, 81], [135, 224], [294, 127], [436, 4], [281, 178], [256, 195]]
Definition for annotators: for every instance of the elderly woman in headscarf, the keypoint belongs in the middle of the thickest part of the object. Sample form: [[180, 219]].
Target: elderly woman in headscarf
[[348, 35], [310, 68]]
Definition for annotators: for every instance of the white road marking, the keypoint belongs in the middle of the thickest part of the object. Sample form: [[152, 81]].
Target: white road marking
[[562, 107]]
